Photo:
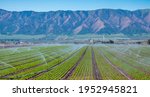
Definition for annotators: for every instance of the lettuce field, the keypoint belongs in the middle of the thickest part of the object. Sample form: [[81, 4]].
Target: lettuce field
[[76, 62]]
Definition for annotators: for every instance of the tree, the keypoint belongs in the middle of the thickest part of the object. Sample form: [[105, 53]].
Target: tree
[[111, 41], [148, 42]]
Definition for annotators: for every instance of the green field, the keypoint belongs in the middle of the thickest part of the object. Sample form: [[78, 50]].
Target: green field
[[76, 62]]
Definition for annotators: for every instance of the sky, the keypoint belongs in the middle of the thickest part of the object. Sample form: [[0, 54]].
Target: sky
[[53, 5]]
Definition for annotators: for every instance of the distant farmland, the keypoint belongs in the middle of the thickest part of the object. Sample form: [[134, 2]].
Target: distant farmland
[[76, 62]]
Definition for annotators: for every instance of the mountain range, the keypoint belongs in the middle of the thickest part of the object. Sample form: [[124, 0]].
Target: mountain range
[[101, 21]]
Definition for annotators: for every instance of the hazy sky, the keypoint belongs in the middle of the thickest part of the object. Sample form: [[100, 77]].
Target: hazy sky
[[48, 5]]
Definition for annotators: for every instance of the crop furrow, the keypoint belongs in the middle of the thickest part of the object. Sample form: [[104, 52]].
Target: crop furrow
[[69, 73], [25, 62], [49, 69], [32, 67], [137, 67], [96, 71], [115, 67]]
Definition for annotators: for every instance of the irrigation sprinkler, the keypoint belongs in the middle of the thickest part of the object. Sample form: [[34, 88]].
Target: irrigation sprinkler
[[4, 63], [42, 57]]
